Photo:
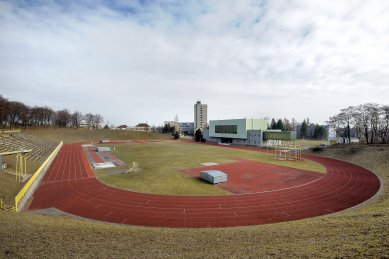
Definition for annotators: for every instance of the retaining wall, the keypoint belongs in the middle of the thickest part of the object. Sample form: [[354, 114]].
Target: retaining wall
[[25, 193]]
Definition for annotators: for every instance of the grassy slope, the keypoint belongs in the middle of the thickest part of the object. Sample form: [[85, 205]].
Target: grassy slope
[[9, 186], [309, 142], [358, 234], [160, 163], [363, 232], [84, 135]]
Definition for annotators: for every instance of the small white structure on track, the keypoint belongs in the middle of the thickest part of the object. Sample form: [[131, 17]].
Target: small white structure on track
[[103, 165], [213, 176], [209, 164], [101, 149]]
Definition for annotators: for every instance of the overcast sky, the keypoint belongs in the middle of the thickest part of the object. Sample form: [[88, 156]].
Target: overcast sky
[[146, 61]]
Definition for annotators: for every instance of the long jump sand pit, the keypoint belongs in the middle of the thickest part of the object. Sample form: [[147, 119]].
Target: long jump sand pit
[[69, 185]]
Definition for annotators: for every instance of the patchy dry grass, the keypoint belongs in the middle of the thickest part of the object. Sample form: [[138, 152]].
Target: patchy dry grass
[[9, 186], [309, 142], [351, 234], [359, 233], [85, 135]]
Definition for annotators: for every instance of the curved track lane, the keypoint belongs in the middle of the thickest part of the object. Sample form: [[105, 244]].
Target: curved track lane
[[69, 185]]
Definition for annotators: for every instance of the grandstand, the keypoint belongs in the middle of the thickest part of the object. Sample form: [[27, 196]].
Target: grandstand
[[15, 141], [25, 154]]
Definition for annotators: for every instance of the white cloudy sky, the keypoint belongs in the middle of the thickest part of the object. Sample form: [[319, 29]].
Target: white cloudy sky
[[137, 61]]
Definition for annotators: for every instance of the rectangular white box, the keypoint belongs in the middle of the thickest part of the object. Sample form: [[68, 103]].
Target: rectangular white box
[[213, 176], [101, 149]]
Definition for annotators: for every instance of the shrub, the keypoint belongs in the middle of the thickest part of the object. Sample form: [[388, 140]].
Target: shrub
[[317, 149], [198, 135]]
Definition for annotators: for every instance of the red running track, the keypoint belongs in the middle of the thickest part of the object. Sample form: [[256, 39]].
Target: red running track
[[246, 176], [69, 185]]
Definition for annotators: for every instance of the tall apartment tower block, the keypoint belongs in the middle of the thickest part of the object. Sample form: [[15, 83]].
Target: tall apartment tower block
[[200, 116]]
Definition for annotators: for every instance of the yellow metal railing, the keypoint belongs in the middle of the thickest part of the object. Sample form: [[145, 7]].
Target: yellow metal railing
[[27, 186], [4, 206], [10, 131]]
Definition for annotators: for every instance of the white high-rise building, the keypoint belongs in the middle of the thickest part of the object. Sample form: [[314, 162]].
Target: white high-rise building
[[200, 116]]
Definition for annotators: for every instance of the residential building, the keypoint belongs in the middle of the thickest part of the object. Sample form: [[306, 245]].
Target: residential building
[[141, 127], [187, 128], [200, 116]]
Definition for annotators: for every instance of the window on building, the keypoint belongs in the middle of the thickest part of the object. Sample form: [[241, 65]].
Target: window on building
[[226, 129]]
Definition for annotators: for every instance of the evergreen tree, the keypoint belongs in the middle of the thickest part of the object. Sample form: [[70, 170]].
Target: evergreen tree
[[273, 124], [280, 125], [303, 129], [198, 135], [176, 135], [319, 132]]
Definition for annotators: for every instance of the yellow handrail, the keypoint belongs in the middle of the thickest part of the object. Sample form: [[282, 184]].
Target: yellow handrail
[[27, 186], [4, 206]]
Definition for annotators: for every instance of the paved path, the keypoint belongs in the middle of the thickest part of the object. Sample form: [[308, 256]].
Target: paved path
[[69, 185]]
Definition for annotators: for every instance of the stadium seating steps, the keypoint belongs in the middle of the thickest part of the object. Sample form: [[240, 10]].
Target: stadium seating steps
[[41, 148]]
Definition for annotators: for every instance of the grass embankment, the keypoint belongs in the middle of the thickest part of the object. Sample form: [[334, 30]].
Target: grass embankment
[[309, 142], [161, 161], [85, 135], [345, 235], [9, 186]]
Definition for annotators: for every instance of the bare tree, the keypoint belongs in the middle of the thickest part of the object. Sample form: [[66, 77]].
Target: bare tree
[[293, 124], [287, 124], [347, 116], [89, 120], [362, 118], [384, 124], [339, 124], [49, 116], [17, 114], [98, 119], [4, 111], [76, 119], [63, 118], [370, 122]]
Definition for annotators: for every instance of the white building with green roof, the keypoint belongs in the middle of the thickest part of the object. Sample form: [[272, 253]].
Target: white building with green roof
[[246, 131]]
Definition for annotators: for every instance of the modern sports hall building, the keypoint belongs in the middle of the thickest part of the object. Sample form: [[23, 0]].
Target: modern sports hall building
[[246, 131]]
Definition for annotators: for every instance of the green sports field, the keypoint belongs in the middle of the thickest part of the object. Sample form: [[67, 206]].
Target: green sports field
[[161, 162]]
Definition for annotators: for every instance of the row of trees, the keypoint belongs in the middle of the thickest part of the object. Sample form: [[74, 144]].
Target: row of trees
[[284, 125], [369, 121], [304, 129], [169, 129], [17, 114]]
